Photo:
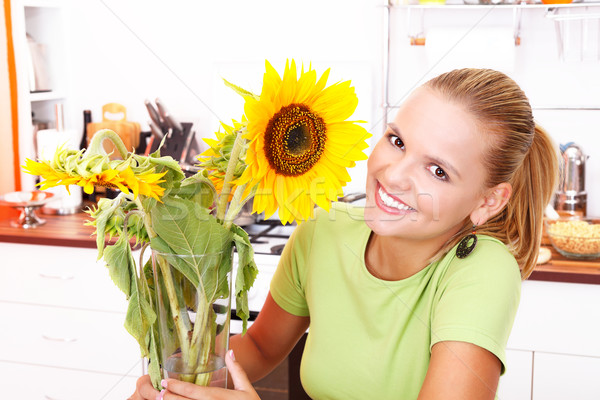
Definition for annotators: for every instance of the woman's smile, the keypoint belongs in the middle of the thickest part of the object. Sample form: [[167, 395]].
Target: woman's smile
[[391, 204]]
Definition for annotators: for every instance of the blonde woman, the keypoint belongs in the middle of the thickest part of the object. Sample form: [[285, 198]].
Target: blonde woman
[[414, 295]]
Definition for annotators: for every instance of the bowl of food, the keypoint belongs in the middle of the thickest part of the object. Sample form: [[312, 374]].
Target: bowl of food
[[575, 237]]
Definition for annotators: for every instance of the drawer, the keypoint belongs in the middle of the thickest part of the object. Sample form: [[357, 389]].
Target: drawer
[[68, 338], [58, 276], [34, 382]]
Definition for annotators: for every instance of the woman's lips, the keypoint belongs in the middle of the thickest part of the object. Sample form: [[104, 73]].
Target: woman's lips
[[391, 204]]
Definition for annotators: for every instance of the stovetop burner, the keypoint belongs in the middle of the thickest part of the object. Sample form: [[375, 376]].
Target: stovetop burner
[[269, 236]]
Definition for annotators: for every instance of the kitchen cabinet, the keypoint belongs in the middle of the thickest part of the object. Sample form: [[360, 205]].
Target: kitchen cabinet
[[553, 351], [515, 384], [560, 376], [45, 23], [63, 326]]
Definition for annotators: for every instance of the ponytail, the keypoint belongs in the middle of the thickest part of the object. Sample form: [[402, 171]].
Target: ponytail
[[533, 184]]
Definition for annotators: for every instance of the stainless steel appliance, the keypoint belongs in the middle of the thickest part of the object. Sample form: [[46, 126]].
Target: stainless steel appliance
[[571, 197]]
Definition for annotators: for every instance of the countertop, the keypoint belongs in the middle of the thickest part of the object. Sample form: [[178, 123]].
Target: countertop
[[69, 230]]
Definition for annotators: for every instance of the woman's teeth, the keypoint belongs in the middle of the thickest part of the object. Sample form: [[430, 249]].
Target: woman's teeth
[[390, 202]]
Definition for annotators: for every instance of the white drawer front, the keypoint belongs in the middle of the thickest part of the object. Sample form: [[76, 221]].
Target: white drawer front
[[67, 338], [33, 382], [59, 276]]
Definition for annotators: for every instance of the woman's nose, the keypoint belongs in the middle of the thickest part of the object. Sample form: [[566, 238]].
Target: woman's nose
[[399, 176]]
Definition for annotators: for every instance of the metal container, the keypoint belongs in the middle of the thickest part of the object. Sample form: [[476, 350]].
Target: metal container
[[571, 197]]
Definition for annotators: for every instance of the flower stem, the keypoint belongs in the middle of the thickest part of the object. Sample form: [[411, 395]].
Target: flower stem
[[238, 146], [178, 318], [95, 146]]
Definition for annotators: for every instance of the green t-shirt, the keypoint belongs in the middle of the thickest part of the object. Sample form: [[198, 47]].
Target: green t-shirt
[[371, 339]]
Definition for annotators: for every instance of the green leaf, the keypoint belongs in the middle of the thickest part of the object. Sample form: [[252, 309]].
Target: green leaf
[[185, 228], [117, 258], [106, 210], [242, 92], [199, 189], [246, 273], [140, 317]]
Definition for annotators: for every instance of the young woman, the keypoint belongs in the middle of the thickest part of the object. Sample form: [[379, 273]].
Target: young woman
[[413, 295]]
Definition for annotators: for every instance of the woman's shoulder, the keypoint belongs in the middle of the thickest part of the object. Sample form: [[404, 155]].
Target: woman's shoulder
[[490, 260]]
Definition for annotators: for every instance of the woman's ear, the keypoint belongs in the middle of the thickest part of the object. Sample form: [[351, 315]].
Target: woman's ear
[[494, 201]]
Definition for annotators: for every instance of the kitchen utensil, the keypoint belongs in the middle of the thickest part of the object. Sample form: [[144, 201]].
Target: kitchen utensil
[[155, 130], [169, 120], [571, 196], [128, 131], [155, 117], [27, 202]]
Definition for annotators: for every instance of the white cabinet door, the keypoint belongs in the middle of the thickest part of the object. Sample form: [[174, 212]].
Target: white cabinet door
[[560, 377], [32, 382], [515, 384], [68, 338]]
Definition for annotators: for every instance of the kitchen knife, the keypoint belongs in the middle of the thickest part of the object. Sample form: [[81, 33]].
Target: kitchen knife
[[156, 132], [187, 145], [154, 116], [170, 121]]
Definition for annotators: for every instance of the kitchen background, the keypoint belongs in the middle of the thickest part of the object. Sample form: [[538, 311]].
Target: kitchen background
[[100, 52]]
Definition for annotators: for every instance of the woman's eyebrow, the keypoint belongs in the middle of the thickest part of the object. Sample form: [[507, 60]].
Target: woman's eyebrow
[[394, 128]]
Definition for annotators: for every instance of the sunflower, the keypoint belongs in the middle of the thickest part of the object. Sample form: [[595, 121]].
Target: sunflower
[[300, 142], [91, 171]]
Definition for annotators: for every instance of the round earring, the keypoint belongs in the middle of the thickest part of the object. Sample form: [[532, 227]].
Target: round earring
[[467, 244]]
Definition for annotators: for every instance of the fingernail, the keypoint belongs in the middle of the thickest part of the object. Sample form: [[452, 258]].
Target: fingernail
[[164, 383], [232, 355], [160, 395]]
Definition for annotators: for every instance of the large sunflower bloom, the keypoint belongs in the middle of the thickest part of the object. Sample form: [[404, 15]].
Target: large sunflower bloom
[[300, 142]]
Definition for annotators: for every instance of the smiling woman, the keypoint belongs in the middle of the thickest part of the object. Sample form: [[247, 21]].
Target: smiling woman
[[395, 307]]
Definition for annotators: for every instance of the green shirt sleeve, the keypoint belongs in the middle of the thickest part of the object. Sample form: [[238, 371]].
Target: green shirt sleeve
[[477, 299]]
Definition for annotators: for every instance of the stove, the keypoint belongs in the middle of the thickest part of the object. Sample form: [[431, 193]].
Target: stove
[[269, 236]]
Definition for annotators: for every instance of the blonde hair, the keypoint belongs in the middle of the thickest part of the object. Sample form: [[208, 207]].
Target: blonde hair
[[519, 152]]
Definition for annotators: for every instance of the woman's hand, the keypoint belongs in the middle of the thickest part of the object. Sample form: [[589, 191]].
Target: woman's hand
[[144, 390], [178, 390]]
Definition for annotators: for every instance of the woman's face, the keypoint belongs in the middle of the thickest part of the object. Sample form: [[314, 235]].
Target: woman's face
[[426, 174]]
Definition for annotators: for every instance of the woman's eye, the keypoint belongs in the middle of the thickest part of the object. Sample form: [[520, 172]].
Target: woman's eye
[[396, 141], [437, 172]]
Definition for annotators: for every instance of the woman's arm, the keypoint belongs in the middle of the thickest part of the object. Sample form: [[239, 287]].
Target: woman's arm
[[460, 370], [269, 340]]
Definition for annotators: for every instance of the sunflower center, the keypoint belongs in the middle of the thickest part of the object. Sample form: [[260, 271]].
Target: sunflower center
[[294, 140]]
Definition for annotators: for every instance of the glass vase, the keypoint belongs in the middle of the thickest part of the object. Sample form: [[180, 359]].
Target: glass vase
[[193, 300]]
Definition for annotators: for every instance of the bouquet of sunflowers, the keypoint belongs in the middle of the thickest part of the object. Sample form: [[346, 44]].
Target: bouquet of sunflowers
[[290, 151]]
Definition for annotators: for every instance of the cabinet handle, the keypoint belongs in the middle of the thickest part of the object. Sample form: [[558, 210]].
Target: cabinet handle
[[64, 277], [50, 397], [59, 339]]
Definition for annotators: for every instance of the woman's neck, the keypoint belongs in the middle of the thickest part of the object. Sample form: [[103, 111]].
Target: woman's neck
[[392, 259]]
